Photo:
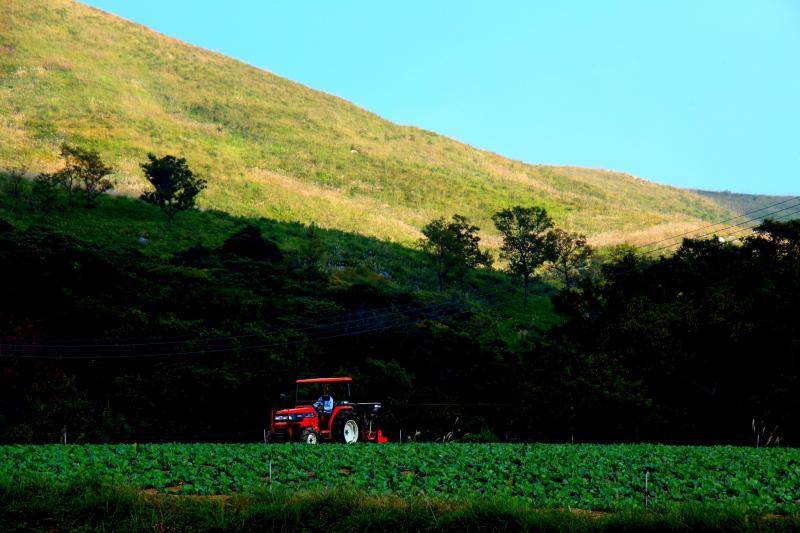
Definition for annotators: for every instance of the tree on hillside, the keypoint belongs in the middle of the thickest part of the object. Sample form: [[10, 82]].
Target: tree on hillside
[[527, 243], [83, 169], [572, 255], [453, 247], [310, 257], [44, 192], [175, 185], [248, 242], [14, 186], [715, 321], [783, 236]]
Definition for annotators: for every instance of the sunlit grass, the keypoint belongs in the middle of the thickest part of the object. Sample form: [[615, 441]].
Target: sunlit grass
[[118, 223], [273, 148]]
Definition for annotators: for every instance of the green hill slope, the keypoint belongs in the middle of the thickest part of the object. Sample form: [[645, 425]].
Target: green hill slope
[[271, 147], [760, 206]]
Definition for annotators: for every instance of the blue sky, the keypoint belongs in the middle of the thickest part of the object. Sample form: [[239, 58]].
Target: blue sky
[[699, 94]]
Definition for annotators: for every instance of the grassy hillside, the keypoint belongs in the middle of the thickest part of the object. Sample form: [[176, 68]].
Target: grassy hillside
[[760, 205], [118, 222], [302, 302], [270, 147]]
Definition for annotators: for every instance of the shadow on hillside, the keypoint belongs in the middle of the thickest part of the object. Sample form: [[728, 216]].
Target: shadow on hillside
[[125, 223]]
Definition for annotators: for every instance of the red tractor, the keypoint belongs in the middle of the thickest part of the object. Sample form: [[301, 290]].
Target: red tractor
[[326, 420]]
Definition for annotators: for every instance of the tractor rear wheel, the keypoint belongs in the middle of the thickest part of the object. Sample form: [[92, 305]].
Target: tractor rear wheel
[[309, 436], [347, 429]]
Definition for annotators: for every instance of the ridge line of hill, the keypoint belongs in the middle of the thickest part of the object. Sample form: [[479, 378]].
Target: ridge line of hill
[[272, 147]]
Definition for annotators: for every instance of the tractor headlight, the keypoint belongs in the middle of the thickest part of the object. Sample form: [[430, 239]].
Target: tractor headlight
[[293, 417]]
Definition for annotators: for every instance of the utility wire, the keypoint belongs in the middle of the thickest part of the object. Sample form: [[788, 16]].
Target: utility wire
[[754, 221], [397, 323], [388, 310], [784, 217], [311, 338], [308, 325], [719, 230], [748, 213], [387, 313], [369, 316]]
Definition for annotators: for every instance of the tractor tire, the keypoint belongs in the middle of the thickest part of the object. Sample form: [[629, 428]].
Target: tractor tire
[[309, 436], [346, 429]]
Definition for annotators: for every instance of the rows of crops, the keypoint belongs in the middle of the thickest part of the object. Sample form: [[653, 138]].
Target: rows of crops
[[549, 476]]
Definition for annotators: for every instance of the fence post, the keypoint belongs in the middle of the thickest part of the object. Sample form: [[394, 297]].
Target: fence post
[[270, 475], [646, 491], [265, 435], [64, 435]]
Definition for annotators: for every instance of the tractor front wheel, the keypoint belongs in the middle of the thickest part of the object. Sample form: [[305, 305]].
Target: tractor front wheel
[[309, 436], [347, 430]]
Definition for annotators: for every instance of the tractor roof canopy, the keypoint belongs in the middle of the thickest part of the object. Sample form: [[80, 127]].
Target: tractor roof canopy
[[305, 386], [323, 380]]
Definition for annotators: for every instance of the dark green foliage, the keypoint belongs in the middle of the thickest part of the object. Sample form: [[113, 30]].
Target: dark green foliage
[[312, 251], [688, 348], [248, 242], [83, 169], [597, 477], [209, 321], [783, 239], [44, 192], [14, 186], [453, 247], [175, 187], [527, 241], [65, 288], [572, 256], [90, 505]]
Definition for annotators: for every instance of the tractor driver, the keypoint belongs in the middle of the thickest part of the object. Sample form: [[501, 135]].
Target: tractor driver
[[324, 404]]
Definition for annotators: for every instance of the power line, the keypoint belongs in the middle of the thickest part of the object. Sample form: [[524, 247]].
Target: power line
[[397, 323], [387, 313], [785, 216], [371, 316], [308, 323], [744, 222], [395, 314], [748, 213], [615, 274]]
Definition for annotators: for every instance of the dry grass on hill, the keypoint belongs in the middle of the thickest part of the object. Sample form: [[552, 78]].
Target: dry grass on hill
[[270, 147]]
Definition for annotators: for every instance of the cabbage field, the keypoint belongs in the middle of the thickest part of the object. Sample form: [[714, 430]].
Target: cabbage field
[[597, 477]]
